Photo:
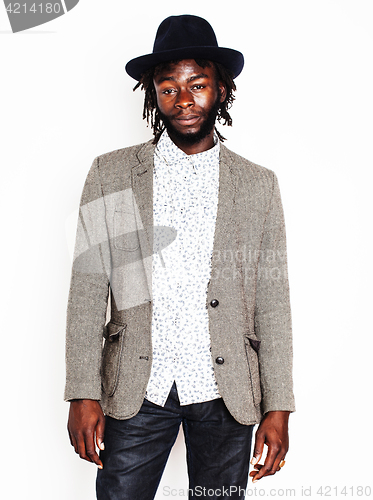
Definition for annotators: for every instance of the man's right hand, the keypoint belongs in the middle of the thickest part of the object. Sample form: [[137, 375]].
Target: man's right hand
[[86, 426]]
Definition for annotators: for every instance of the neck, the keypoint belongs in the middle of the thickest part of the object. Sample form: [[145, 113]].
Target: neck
[[194, 148]]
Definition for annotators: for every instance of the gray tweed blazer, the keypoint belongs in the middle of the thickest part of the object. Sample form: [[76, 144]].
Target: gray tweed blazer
[[108, 341]]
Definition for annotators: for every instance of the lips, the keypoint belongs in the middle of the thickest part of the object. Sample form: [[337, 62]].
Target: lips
[[187, 120]]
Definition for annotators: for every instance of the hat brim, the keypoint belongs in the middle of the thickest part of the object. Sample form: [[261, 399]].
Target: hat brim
[[232, 59]]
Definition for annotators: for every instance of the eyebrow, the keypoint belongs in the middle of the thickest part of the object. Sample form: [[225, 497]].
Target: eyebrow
[[191, 79]]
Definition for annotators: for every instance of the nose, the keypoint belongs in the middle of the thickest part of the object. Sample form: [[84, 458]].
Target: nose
[[184, 100]]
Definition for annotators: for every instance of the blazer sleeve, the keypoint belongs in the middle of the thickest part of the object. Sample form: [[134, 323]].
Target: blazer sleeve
[[272, 312], [88, 294]]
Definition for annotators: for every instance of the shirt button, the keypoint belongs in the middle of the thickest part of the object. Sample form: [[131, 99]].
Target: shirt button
[[214, 303], [219, 360]]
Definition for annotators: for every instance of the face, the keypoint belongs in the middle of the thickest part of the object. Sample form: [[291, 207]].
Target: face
[[188, 98]]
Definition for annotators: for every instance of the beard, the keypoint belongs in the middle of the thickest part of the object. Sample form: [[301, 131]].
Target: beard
[[192, 137]]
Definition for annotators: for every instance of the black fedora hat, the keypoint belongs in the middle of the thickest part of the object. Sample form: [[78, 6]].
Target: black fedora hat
[[185, 37]]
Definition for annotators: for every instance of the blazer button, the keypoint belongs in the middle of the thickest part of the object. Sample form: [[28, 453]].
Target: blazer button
[[219, 360], [214, 303]]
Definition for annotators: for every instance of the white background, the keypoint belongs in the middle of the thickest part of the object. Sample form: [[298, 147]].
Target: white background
[[304, 109]]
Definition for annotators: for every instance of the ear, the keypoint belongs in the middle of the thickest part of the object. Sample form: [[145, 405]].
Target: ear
[[222, 91]]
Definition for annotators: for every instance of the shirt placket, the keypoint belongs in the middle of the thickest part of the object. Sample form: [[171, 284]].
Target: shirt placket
[[181, 338]]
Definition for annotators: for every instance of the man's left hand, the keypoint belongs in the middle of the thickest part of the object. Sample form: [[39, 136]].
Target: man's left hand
[[272, 431]]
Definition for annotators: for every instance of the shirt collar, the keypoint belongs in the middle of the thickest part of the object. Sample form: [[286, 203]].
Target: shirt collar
[[168, 149]]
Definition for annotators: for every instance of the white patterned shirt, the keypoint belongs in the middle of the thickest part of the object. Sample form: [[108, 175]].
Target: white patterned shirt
[[185, 197]]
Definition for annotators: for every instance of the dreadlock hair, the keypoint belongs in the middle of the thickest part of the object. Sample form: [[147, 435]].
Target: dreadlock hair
[[150, 110]]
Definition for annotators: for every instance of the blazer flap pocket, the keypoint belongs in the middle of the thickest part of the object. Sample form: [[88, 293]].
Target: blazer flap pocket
[[253, 341], [112, 331], [252, 345], [111, 356], [255, 344]]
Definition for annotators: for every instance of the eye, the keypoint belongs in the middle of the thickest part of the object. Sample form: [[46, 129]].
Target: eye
[[198, 86], [167, 91]]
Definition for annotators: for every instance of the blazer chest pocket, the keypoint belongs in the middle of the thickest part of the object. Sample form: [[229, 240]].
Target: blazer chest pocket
[[111, 356], [252, 346], [125, 230]]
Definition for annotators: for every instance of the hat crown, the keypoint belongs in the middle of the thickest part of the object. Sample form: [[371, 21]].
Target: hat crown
[[177, 32], [185, 37]]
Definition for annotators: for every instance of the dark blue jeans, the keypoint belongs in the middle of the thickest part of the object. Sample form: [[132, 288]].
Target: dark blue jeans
[[137, 449]]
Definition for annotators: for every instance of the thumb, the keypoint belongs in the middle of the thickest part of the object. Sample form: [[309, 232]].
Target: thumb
[[258, 448], [100, 430]]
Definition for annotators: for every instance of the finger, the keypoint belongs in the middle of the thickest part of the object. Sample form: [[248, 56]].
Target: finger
[[255, 471], [82, 449], [73, 442], [100, 430], [258, 448], [91, 454], [267, 469], [256, 468], [276, 465]]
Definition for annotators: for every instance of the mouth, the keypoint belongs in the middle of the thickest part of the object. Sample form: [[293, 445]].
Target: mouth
[[187, 120]]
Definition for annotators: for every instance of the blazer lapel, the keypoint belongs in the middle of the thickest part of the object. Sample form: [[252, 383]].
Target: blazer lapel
[[223, 225], [142, 186]]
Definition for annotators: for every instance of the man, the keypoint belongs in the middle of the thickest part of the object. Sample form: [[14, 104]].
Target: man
[[186, 241]]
